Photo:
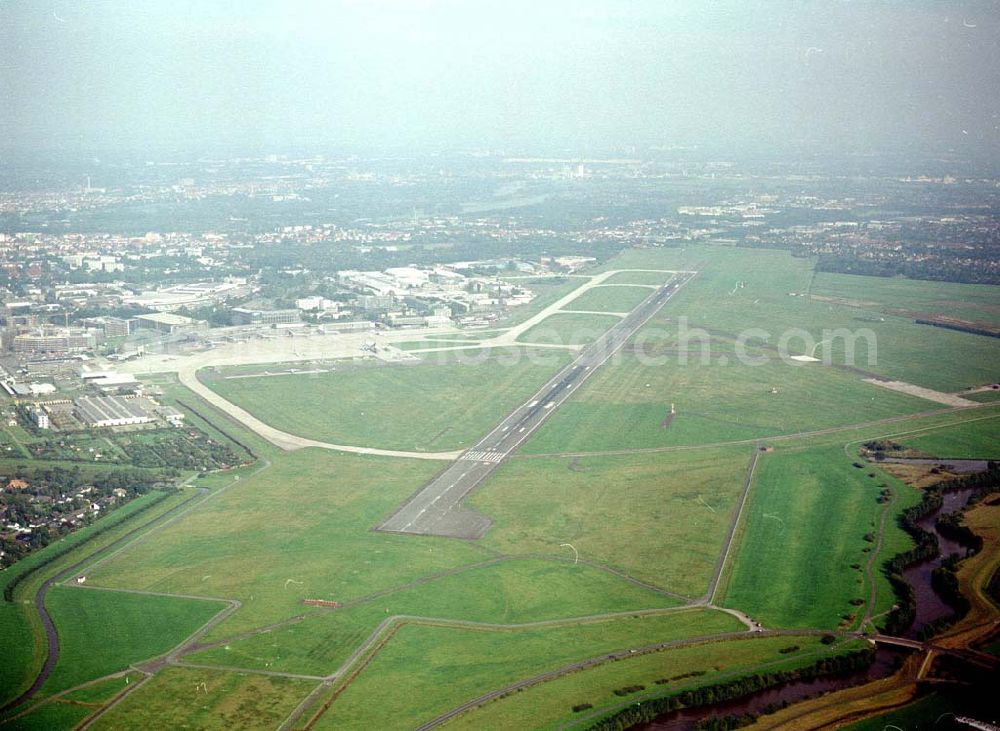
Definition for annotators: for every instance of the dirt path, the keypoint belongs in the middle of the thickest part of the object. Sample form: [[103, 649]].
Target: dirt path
[[720, 564]]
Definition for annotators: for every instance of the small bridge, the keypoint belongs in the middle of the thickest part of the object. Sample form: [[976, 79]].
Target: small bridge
[[981, 659]]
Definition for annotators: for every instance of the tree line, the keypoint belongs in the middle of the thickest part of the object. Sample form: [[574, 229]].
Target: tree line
[[902, 615], [707, 695]]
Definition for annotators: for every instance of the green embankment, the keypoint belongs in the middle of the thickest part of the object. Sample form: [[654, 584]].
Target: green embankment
[[103, 632], [804, 539]]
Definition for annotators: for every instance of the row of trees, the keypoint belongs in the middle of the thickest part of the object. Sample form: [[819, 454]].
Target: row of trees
[[708, 695], [936, 269], [903, 614]]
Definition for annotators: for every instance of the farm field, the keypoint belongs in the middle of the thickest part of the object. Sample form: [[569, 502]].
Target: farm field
[[805, 529], [606, 298], [625, 404], [567, 328], [659, 518], [551, 704], [424, 671], [446, 403]]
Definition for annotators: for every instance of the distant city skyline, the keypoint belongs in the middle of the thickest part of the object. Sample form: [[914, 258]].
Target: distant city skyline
[[780, 76]]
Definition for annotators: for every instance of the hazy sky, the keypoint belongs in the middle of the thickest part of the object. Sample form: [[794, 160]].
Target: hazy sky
[[831, 75]]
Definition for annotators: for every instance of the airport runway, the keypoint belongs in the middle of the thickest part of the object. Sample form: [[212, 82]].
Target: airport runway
[[437, 510]]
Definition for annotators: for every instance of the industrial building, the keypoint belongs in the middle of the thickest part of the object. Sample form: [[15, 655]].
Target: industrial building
[[108, 380], [114, 327], [244, 316], [196, 294], [17, 390], [170, 323], [373, 302], [316, 303], [54, 341], [354, 326], [171, 415], [111, 411]]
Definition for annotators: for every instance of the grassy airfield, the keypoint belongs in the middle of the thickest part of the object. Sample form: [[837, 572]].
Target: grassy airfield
[[605, 523]]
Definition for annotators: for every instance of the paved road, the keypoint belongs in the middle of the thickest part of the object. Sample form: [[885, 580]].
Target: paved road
[[339, 346], [186, 374], [437, 510]]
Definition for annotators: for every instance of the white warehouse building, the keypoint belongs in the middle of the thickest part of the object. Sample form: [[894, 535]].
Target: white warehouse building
[[110, 411]]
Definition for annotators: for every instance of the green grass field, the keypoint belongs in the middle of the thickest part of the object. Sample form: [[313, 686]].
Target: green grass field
[[623, 405], [424, 671], [547, 290], [974, 302], [71, 708], [54, 715], [102, 690], [437, 405], [22, 656], [565, 328], [421, 344], [904, 350], [550, 705], [660, 518], [978, 438], [22, 638], [510, 592], [306, 519], [618, 298], [984, 397], [805, 528], [103, 632], [639, 278], [297, 525], [189, 698]]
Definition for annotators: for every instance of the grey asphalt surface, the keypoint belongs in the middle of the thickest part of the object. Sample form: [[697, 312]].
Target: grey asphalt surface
[[436, 510]]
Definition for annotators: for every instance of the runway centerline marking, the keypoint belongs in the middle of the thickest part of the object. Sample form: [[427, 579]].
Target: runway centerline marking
[[501, 442]]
